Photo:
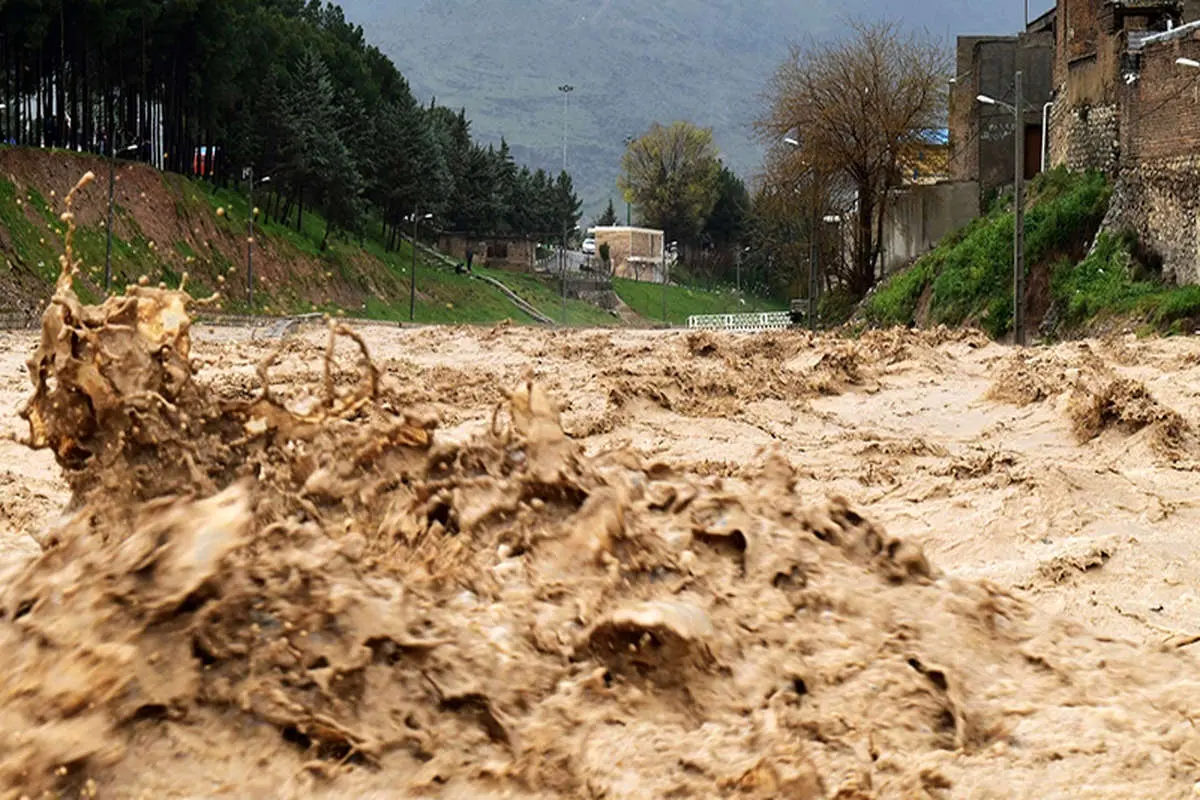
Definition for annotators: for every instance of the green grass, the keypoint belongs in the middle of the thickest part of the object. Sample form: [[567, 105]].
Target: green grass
[[970, 274], [1110, 283], [682, 302], [546, 297]]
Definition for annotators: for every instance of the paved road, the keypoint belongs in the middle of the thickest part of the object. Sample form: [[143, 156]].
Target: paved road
[[575, 261]]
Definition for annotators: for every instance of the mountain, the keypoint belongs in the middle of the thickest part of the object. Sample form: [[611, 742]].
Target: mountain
[[632, 63]]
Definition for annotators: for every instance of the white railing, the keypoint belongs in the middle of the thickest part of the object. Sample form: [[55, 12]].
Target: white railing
[[744, 323]]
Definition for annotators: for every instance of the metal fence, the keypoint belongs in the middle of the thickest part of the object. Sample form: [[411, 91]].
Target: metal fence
[[742, 323]]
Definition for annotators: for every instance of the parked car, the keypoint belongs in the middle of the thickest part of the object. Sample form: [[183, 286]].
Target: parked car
[[589, 247]]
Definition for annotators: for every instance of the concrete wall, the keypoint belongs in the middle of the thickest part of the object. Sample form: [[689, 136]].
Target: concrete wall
[[636, 253], [499, 252], [981, 136], [921, 216]]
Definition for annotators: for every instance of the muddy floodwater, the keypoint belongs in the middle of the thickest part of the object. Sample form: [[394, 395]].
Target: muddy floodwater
[[524, 563]]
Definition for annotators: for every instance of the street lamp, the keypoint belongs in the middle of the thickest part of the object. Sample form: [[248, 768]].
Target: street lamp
[[566, 90], [248, 173], [112, 188], [814, 246], [565, 258], [628, 205], [1188, 62], [1018, 204], [412, 278]]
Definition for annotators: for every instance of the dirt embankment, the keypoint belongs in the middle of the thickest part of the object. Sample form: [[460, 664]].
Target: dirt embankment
[[165, 226], [335, 567]]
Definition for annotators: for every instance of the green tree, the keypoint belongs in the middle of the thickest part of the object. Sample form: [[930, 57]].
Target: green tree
[[609, 217], [670, 174]]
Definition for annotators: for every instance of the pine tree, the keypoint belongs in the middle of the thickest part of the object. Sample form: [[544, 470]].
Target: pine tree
[[609, 217]]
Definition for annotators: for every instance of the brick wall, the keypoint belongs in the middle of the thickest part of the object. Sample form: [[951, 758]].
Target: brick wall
[[1160, 108], [1158, 193]]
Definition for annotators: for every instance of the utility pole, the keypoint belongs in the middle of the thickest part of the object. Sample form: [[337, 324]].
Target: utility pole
[[566, 90], [563, 287], [249, 174], [1019, 216], [628, 204], [814, 249], [412, 275], [666, 321], [412, 278], [1018, 109], [112, 191]]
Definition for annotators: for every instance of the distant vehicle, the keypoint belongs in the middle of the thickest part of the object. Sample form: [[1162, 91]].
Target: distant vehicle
[[589, 247]]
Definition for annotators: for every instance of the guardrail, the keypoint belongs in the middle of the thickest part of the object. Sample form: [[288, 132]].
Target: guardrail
[[742, 323]]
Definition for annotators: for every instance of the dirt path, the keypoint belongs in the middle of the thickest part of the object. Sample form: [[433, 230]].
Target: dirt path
[[1096, 534]]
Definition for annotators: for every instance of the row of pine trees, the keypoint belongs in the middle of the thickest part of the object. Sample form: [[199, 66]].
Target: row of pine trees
[[287, 87]]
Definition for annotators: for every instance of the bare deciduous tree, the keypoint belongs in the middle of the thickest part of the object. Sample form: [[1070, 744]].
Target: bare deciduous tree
[[852, 107]]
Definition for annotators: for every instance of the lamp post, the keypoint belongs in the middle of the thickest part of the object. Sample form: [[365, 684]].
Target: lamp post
[[1018, 204], [675, 250], [566, 90], [412, 278], [248, 173], [628, 205], [112, 190], [563, 287], [813, 244]]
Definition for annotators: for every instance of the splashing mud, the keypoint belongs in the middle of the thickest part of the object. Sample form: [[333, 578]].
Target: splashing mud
[[502, 615]]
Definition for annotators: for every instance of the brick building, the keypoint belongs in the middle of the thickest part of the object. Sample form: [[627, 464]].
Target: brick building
[[505, 252], [981, 136], [1126, 107]]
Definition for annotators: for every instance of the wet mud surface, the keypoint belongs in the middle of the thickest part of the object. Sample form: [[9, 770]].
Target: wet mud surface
[[473, 563]]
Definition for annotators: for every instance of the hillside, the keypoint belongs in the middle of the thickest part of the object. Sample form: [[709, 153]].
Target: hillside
[[167, 225], [1081, 281], [632, 63]]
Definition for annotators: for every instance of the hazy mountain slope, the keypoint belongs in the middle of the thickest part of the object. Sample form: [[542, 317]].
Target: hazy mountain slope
[[633, 62]]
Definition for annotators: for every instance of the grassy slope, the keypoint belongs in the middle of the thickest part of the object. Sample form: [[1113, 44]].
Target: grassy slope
[[967, 279], [358, 278], [443, 296], [682, 302]]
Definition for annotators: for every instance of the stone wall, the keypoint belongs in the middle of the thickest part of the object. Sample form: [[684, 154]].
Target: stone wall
[[1160, 201], [1158, 191], [1085, 137]]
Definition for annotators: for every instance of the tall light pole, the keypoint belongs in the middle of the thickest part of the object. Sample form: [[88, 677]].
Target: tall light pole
[[412, 278], [566, 90], [248, 173], [628, 205], [666, 321], [814, 250], [112, 190], [1018, 203]]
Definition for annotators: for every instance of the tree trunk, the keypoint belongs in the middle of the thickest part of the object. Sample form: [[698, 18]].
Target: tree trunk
[[863, 249]]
